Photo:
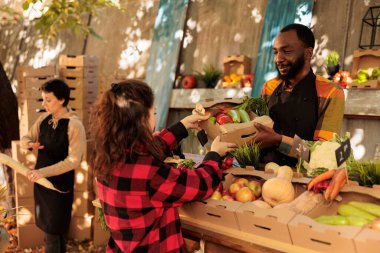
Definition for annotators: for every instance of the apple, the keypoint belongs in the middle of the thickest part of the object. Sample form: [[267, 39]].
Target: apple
[[227, 198], [234, 188], [255, 187], [216, 195], [242, 181], [245, 195], [189, 82]]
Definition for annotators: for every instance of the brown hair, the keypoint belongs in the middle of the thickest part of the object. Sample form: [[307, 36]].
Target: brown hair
[[119, 121]]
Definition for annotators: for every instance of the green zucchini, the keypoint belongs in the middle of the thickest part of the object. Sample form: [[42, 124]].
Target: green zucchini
[[212, 120], [332, 220], [348, 210], [357, 221], [366, 206], [244, 117], [234, 115]]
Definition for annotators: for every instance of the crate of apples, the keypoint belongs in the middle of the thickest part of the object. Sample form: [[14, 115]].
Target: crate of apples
[[241, 189]]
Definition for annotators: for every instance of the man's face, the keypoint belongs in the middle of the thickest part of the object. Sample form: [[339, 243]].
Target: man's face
[[289, 54]]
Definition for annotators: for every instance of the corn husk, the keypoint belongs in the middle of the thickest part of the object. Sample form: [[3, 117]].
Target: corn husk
[[19, 168]]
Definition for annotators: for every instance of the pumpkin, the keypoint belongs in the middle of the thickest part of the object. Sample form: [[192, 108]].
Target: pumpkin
[[279, 190]]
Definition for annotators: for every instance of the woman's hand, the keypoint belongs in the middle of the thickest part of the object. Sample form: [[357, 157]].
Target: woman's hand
[[35, 145], [34, 175], [222, 148], [193, 121]]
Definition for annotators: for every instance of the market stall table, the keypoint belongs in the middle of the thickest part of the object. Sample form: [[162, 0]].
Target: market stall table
[[234, 239]]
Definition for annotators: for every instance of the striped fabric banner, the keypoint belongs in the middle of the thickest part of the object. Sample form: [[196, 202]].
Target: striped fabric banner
[[164, 53]]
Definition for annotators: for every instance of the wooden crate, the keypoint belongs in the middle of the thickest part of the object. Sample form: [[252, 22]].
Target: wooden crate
[[78, 60], [82, 204], [25, 214], [82, 72], [81, 227], [29, 236]]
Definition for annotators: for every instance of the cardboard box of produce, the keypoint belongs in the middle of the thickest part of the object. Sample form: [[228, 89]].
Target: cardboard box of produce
[[218, 212], [239, 133], [306, 232], [363, 60], [271, 222], [247, 217]]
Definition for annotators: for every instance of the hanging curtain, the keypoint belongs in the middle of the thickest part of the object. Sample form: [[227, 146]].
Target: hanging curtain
[[166, 43], [279, 13]]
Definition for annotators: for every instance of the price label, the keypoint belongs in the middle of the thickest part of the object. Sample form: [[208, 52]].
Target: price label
[[343, 152], [300, 148]]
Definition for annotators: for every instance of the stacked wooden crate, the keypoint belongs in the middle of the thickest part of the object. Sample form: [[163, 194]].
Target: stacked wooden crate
[[81, 74], [28, 234], [29, 81], [82, 216]]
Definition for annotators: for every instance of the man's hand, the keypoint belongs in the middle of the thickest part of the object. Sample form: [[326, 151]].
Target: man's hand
[[266, 137], [193, 121]]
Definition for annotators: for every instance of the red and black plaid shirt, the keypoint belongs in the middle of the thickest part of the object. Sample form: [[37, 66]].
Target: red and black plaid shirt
[[140, 201]]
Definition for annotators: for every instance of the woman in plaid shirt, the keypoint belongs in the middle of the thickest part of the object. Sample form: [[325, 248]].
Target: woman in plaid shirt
[[139, 193]]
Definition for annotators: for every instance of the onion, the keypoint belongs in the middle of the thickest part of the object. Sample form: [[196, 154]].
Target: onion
[[376, 224]]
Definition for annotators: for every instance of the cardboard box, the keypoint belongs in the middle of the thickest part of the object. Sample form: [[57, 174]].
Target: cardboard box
[[25, 212], [29, 236], [88, 83], [306, 232], [78, 60], [364, 59], [26, 71], [100, 237], [236, 64], [82, 204], [271, 223], [239, 133], [83, 72], [367, 241], [80, 227]]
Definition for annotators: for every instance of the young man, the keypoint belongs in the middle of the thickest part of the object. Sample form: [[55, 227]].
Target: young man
[[300, 103]]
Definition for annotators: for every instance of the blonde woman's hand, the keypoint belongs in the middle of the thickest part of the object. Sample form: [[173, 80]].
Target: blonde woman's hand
[[193, 121], [221, 147]]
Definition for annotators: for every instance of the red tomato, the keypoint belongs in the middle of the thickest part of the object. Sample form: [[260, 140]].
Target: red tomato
[[222, 118]]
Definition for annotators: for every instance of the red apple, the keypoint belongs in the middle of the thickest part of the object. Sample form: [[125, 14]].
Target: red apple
[[234, 188], [216, 195], [189, 82], [227, 198], [245, 195], [255, 187], [242, 181]]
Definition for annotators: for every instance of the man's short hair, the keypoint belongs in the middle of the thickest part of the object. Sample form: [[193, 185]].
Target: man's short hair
[[303, 33]]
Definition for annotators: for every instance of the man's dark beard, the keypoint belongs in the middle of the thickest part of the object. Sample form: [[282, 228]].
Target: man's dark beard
[[294, 69]]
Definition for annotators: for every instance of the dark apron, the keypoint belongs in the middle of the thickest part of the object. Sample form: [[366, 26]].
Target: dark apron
[[53, 209], [293, 113]]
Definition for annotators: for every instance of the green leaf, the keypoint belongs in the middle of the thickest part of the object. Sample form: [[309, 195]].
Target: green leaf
[[25, 5]]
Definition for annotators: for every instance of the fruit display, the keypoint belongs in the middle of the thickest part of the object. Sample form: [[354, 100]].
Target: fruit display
[[364, 75], [241, 189]]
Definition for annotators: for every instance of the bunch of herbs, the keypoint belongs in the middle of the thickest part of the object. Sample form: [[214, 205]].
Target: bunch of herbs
[[247, 155]]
